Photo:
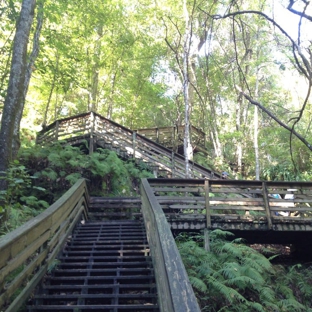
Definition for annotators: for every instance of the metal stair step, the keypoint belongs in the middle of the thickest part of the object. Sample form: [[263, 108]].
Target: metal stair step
[[104, 266]]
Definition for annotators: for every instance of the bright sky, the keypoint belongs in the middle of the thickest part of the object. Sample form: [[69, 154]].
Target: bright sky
[[289, 21]]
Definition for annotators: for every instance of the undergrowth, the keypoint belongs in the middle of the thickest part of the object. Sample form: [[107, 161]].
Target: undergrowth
[[43, 174], [59, 166], [235, 277]]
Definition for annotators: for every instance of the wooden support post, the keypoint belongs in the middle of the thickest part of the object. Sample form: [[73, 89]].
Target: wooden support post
[[157, 135], [266, 204], [56, 130], [206, 240], [208, 217], [174, 138], [133, 143], [172, 165], [208, 212], [91, 143]]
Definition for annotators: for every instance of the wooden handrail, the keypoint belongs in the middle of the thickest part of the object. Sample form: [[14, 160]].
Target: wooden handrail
[[189, 200], [34, 245], [175, 293], [112, 132]]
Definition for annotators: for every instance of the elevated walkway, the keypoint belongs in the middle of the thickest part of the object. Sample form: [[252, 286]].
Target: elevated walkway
[[258, 216], [98, 131], [94, 254]]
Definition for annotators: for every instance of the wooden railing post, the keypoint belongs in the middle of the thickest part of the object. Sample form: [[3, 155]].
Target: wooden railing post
[[91, 143], [174, 136], [133, 143], [56, 130], [266, 204], [172, 165], [208, 216]]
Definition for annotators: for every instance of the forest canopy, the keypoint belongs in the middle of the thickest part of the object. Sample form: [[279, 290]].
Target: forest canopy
[[238, 70]]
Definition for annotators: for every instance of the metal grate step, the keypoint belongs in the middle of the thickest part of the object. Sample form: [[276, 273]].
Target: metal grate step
[[105, 266]]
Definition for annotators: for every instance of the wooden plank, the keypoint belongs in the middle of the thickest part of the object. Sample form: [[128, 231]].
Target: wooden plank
[[24, 255], [266, 205], [170, 274], [179, 189], [27, 291], [21, 277], [18, 246], [207, 204]]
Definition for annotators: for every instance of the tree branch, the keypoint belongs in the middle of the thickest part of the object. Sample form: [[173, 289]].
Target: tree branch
[[301, 14], [307, 67], [290, 129]]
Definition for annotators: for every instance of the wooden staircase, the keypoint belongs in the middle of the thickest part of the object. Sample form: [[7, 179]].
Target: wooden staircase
[[99, 131], [104, 266]]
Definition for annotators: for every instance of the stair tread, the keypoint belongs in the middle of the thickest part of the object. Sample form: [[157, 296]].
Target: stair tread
[[103, 262]]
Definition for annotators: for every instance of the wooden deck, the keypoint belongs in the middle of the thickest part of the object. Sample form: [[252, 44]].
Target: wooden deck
[[247, 208], [173, 137], [97, 131], [190, 205]]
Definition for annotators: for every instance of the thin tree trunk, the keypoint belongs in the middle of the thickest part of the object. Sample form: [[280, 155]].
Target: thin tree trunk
[[30, 68], [111, 97], [256, 129], [45, 116], [186, 47], [95, 71], [15, 93]]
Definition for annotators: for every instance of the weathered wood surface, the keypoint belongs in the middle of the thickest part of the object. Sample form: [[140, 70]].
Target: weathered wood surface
[[172, 137], [105, 133], [115, 208], [34, 245], [223, 204], [175, 292]]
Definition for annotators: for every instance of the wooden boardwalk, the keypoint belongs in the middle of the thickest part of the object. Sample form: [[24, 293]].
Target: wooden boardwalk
[[98, 131], [248, 208], [173, 137]]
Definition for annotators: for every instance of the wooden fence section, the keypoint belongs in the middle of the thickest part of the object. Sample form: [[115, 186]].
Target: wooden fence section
[[172, 137], [175, 292], [27, 252], [198, 204], [102, 132]]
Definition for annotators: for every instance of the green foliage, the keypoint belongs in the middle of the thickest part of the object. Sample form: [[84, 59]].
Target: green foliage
[[19, 202], [59, 166], [285, 172], [235, 277]]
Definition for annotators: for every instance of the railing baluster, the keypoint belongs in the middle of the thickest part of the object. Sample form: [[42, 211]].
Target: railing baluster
[[266, 204], [133, 143], [91, 143], [208, 212], [56, 130], [172, 165]]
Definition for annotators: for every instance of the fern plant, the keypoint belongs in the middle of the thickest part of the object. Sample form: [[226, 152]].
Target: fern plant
[[59, 166], [234, 277], [20, 200]]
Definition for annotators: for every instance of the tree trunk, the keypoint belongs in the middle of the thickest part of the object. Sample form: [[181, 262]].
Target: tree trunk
[[15, 92], [95, 70], [46, 111], [186, 48], [30, 68]]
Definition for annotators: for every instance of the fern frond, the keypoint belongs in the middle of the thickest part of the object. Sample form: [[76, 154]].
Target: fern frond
[[198, 284], [291, 305], [230, 294], [267, 294], [255, 306]]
